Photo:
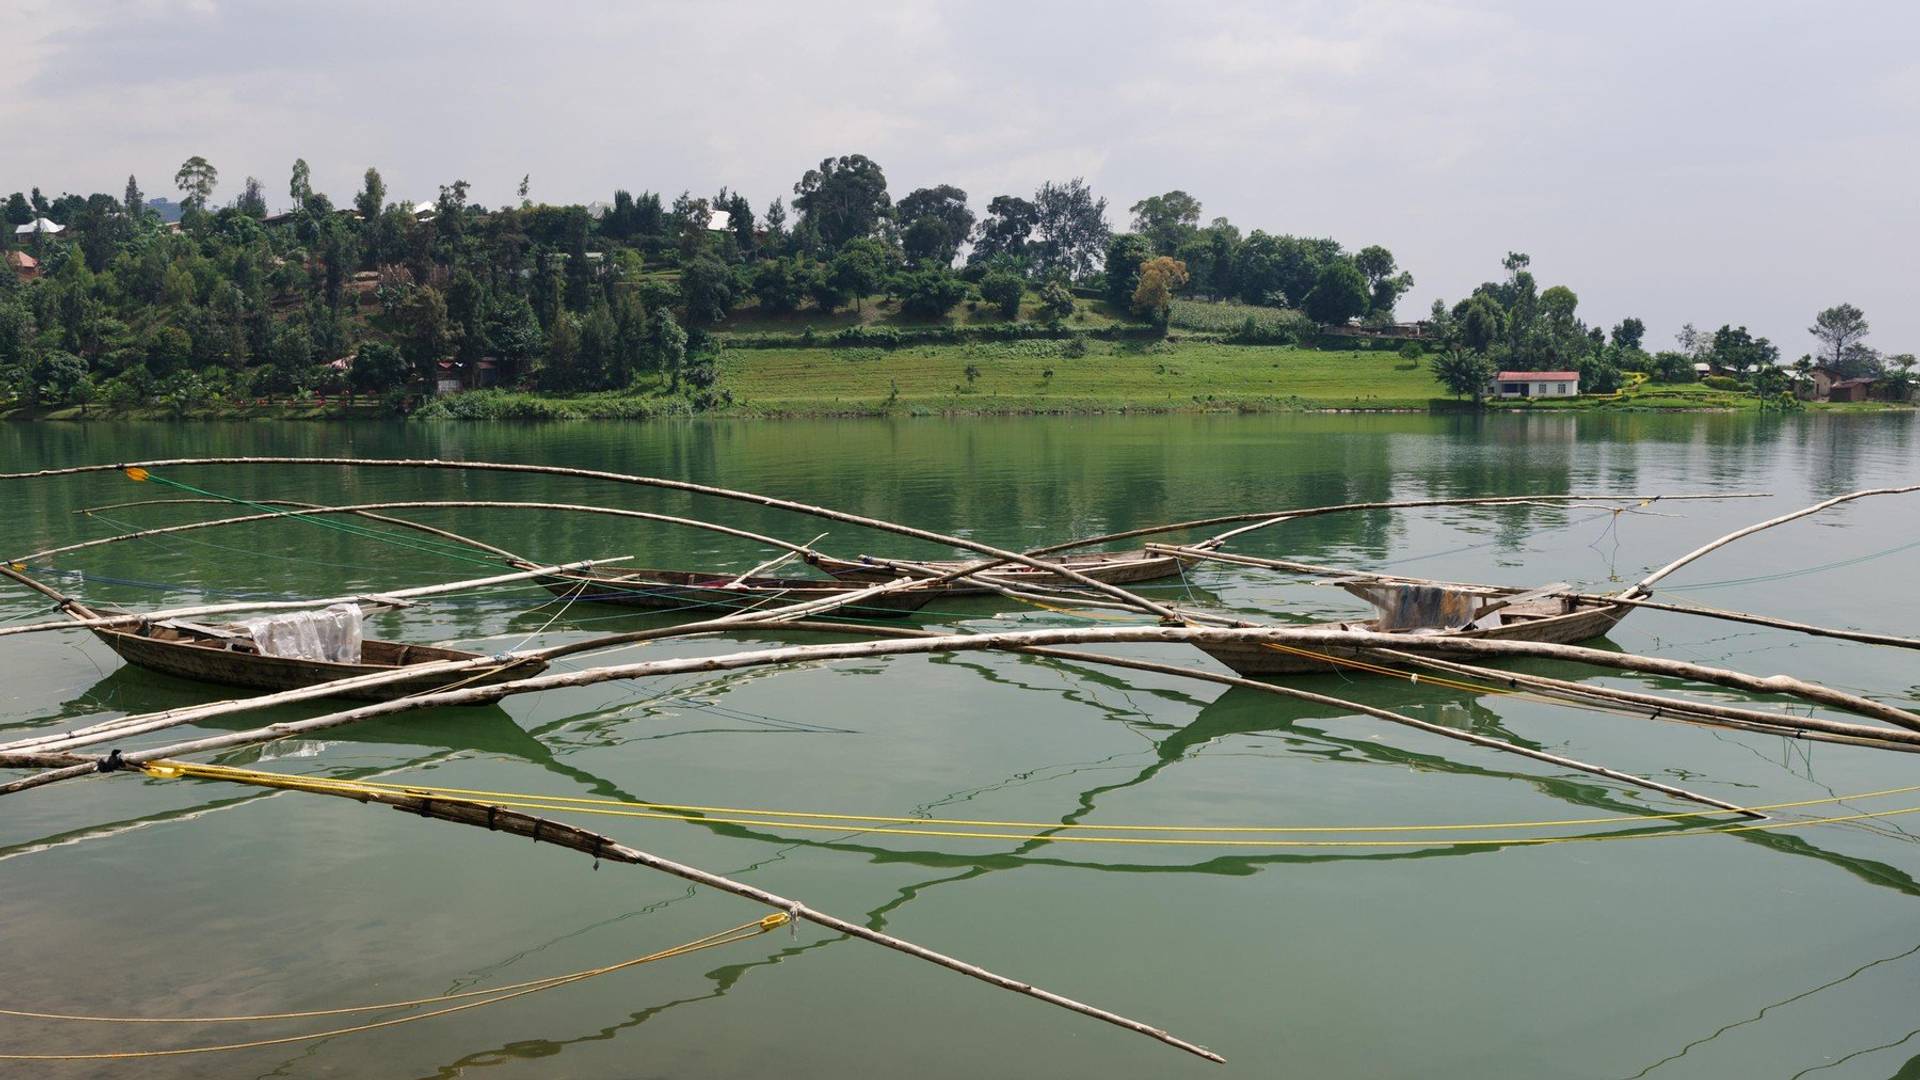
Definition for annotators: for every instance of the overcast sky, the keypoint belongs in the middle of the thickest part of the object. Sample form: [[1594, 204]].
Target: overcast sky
[[1740, 161]]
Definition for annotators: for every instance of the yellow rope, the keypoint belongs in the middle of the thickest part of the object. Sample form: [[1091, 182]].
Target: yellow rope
[[505, 993], [782, 819]]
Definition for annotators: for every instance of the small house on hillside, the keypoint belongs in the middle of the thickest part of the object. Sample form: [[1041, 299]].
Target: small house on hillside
[[24, 266], [1850, 390], [39, 227], [1536, 384]]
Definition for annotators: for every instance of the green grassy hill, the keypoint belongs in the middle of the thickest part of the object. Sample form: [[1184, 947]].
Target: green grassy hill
[[1041, 376]]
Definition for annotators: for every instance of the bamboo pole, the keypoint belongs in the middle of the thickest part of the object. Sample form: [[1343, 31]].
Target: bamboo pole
[[1778, 684], [561, 834], [1754, 620], [1033, 593], [942, 643], [1645, 585], [1273, 517], [1402, 719], [66, 766], [316, 507], [997, 555], [1663, 705], [127, 726], [771, 563], [1599, 598], [362, 508], [384, 599], [1199, 554]]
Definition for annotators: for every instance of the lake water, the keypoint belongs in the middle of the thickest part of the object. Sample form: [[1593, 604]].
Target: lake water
[[1766, 953]]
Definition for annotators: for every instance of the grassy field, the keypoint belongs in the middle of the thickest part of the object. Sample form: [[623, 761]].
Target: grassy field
[[1225, 317], [1041, 376], [876, 311]]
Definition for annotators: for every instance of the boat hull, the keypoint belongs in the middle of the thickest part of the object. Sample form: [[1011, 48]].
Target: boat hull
[[207, 659], [1254, 658], [1112, 568]]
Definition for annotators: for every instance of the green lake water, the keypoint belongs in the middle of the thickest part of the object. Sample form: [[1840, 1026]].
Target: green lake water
[[1761, 954]]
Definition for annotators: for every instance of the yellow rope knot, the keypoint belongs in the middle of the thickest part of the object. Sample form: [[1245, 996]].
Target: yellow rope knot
[[778, 918]]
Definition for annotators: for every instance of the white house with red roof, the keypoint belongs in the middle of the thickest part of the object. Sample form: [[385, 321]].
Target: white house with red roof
[[1536, 384]]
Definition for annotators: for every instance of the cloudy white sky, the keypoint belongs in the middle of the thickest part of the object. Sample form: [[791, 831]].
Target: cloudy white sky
[[1738, 161]]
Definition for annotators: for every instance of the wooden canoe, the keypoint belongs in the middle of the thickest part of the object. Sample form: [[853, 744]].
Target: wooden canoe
[[1110, 567], [227, 655], [710, 594], [1557, 620]]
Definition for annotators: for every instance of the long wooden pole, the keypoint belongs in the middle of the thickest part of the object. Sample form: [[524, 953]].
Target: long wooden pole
[[1457, 735], [1778, 684], [317, 507], [1662, 705], [1645, 585], [1810, 629], [1272, 517], [943, 643], [481, 814], [386, 599], [363, 508], [997, 555], [126, 726]]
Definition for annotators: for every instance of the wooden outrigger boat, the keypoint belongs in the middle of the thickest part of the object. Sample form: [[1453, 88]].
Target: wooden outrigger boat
[[1109, 567], [706, 593], [226, 654], [1422, 613]]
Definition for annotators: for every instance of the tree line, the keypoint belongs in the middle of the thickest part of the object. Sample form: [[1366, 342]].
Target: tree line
[[376, 294], [1513, 324]]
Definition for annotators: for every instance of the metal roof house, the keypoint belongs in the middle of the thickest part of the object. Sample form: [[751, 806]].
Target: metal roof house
[[1536, 384], [39, 225]]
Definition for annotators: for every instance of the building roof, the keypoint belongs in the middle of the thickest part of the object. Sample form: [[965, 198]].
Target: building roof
[[719, 220], [38, 225], [1538, 376], [20, 260]]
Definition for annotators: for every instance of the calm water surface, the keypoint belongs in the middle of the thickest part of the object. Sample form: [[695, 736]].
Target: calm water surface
[[1771, 954]]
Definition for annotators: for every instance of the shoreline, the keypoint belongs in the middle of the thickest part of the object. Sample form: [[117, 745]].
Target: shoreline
[[573, 409]]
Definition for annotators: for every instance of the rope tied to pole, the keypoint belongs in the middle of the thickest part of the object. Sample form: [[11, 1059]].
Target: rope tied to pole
[[494, 996]]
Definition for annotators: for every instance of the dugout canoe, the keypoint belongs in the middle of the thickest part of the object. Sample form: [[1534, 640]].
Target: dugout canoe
[[699, 593], [1109, 567], [226, 655], [1424, 614]]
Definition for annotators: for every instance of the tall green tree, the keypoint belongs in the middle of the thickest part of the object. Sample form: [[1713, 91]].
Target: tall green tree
[[1167, 221], [1386, 282], [196, 180], [934, 223], [1071, 228], [1628, 333], [1125, 254], [666, 345], [372, 197], [842, 200], [707, 290], [300, 187], [1338, 295], [1842, 331], [252, 201], [1005, 232]]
